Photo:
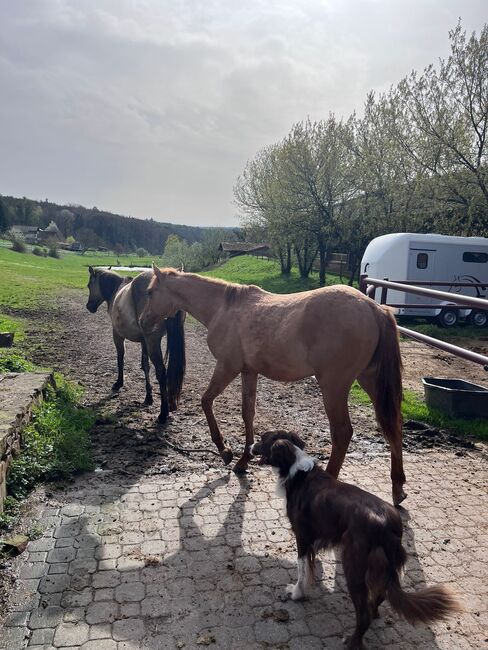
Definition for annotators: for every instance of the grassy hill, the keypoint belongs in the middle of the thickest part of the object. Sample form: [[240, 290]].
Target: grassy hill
[[266, 274]]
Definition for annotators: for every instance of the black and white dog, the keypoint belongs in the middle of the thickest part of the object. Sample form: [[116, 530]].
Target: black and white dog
[[327, 513]]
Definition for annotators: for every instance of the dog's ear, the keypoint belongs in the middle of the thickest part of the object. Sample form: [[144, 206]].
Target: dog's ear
[[282, 455], [297, 441], [256, 449]]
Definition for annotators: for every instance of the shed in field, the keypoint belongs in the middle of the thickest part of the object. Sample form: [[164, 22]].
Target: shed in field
[[235, 248]]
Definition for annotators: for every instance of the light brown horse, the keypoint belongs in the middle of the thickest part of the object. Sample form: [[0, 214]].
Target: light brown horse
[[126, 298], [335, 333]]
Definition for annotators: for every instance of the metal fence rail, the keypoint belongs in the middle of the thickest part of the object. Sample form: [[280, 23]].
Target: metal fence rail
[[465, 301], [368, 286]]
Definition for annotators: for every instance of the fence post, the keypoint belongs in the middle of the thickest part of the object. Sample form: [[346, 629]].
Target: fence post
[[384, 293], [363, 285]]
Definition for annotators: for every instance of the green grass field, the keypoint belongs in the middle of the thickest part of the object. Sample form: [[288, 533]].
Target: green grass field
[[266, 274], [27, 280]]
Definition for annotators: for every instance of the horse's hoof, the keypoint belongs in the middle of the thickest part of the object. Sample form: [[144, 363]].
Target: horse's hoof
[[173, 406], [163, 417], [240, 468], [398, 497], [148, 401], [227, 455], [117, 386]]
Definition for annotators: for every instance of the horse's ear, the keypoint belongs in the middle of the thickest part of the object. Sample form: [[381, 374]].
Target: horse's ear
[[110, 268], [182, 268], [91, 269], [157, 272]]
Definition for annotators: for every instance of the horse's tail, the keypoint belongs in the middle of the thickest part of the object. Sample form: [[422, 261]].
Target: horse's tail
[[388, 362], [175, 357]]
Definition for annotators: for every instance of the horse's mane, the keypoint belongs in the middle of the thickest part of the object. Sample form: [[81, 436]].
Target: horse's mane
[[233, 292], [109, 282]]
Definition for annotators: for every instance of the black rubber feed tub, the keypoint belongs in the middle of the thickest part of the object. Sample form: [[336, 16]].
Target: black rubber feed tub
[[456, 397]]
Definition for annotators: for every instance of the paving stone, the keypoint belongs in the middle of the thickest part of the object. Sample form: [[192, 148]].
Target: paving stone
[[101, 631], [61, 555], [17, 619], [70, 634], [45, 617], [14, 638], [104, 579], [35, 570], [103, 612], [43, 636], [54, 583], [128, 629], [129, 592]]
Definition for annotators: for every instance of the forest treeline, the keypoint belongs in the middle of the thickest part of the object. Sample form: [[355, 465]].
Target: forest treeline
[[414, 161], [94, 228]]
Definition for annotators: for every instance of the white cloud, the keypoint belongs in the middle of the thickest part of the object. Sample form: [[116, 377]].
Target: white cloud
[[152, 108]]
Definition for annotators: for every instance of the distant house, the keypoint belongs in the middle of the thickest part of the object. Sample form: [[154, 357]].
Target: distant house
[[34, 234], [235, 248], [25, 233], [52, 232]]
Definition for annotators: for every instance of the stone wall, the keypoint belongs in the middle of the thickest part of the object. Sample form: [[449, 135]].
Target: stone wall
[[19, 394]]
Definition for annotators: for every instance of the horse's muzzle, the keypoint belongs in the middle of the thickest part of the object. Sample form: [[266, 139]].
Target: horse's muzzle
[[91, 307], [147, 321]]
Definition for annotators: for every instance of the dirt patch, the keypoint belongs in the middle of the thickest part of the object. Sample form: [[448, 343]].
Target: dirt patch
[[421, 361]]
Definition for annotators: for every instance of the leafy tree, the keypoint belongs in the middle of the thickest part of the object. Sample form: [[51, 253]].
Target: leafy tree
[[4, 217]]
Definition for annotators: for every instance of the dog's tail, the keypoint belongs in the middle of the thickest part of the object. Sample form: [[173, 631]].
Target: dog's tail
[[434, 603], [383, 578]]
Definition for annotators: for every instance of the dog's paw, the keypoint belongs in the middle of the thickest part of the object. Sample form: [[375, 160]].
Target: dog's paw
[[295, 592]]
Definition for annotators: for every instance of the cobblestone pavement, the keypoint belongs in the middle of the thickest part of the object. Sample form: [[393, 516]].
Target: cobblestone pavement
[[203, 560]]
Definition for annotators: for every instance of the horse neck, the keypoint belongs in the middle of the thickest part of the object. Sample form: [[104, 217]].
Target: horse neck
[[199, 296], [109, 283]]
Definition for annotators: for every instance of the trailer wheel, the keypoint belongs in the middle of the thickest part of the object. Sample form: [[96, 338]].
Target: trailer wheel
[[478, 318], [448, 317]]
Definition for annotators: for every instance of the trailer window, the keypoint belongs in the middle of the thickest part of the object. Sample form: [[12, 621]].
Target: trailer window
[[479, 258], [422, 260]]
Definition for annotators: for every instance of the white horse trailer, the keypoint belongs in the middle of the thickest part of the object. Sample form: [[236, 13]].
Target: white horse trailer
[[415, 258]]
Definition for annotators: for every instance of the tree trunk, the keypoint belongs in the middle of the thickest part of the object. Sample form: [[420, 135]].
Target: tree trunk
[[323, 262], [302, 262], [354, 267], [288, 258], [285, 259]]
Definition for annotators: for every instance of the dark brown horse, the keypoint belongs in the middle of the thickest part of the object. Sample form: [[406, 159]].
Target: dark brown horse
[[126, 299]]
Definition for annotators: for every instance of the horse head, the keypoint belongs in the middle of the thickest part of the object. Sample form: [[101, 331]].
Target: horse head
[[159, 303], [102, 285]]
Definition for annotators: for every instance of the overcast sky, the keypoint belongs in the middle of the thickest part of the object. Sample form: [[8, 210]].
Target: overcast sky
[[152, 107]]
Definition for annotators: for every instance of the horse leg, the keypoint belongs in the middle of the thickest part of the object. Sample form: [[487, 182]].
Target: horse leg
[[145, 366], [120, 347], [394, 437], [335, 402], [156, 356], [249, 385], [221, 378]]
